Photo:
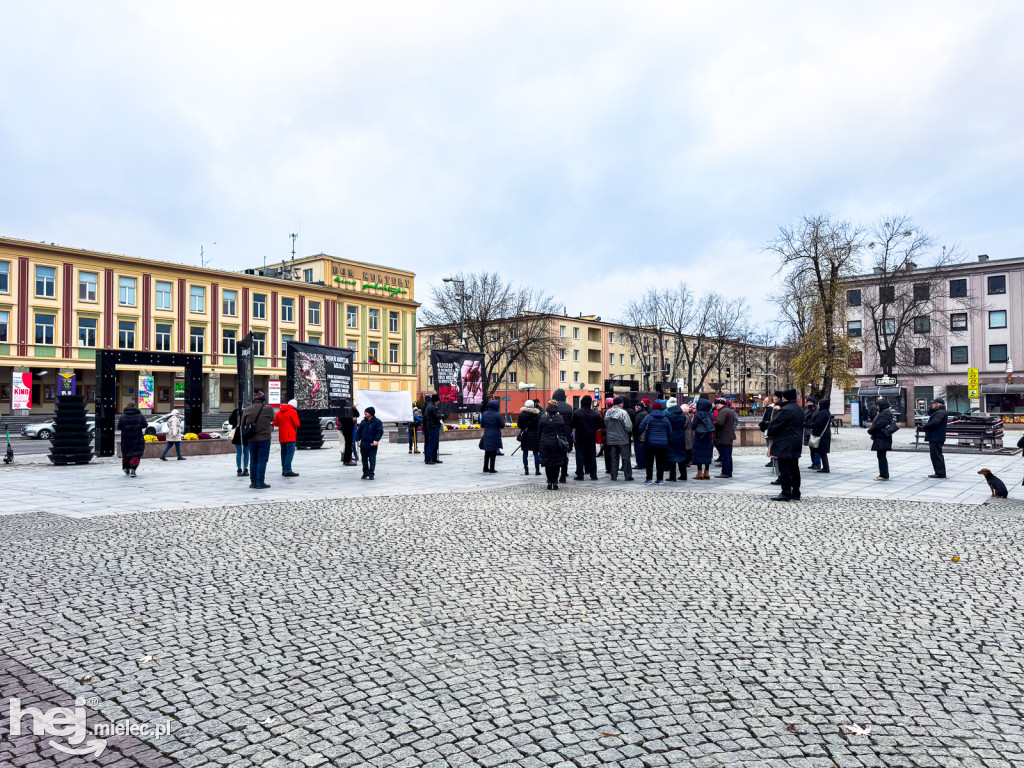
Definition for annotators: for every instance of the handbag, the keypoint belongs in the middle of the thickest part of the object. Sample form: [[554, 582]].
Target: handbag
[[891, 430], [563, 444], [814, 441], [249, 428], [480, 445]]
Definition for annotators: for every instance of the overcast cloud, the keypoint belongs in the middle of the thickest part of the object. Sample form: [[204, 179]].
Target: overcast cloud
[[590, 148]]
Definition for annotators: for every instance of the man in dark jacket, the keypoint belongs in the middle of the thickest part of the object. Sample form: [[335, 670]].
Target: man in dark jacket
[[935, 434], [262, 417], [371, 432], [725, 435], [432, 424], [347, 424], [585, 423], [766, 419], [565, 411], [787, 433]]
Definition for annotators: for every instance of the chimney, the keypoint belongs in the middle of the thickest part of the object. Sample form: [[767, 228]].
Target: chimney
[[877, 270], [982, 257]]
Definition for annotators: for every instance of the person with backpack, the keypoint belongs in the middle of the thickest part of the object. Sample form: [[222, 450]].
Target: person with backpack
[[553, 445], [703, 439], [656, 437], [882, 429]]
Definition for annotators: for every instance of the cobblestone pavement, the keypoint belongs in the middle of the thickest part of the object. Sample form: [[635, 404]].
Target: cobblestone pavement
[[519, 627]]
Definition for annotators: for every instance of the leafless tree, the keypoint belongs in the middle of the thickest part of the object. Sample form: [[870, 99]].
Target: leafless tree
[[511, 325], [906, 305]]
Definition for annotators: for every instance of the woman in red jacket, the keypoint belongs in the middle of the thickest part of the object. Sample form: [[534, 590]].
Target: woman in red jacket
[[287, 421]]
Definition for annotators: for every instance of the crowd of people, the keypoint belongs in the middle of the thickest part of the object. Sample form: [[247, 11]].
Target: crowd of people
[[661, 438]]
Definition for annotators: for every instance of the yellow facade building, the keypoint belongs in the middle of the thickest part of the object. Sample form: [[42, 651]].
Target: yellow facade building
[[59, 305]]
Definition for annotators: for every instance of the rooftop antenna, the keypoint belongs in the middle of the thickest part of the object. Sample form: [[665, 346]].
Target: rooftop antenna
[[203, 261], [293, 235]]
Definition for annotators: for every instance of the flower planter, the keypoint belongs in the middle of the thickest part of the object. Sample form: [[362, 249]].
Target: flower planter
[[209, 447]]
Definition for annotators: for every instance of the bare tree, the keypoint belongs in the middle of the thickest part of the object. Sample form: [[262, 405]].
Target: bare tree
[[821, 255], [643, 320], [904, 306], [510, 325]]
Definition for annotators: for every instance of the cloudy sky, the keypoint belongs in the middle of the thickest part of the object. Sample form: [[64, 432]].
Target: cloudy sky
[[590, 148]]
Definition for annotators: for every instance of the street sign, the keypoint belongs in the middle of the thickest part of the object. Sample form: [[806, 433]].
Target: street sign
[[886, 380], [972, 384]]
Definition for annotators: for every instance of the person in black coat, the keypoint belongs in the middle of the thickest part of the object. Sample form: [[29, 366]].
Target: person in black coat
[[820, 427], [585, 424], [935, 435], [133, 444], [433, 422], [241, 449], [529, 436], [552, 427], [565, 411], [787, 432], [493, 422], [881, 442]]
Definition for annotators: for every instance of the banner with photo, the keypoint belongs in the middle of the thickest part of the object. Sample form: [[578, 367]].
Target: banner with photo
[[458, 380], [244, 368], [320, 377]]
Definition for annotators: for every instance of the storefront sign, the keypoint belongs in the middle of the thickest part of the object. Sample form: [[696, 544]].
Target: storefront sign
[[146, 392], [179, 390], [972, 384], [274, 392], [886, 380], [22, 392]]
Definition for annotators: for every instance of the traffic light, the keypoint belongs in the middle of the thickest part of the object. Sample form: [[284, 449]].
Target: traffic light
[[728, 372], [748, 371]]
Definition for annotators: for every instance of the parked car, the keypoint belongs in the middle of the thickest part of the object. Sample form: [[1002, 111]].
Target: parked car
[[44, 430], [157, 425]]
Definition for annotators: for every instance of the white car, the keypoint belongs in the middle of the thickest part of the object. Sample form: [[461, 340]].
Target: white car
[[157, 425], [45, 430]]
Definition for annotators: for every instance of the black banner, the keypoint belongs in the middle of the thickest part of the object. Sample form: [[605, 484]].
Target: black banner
[[244, 367], [320, 377], [458, 380]]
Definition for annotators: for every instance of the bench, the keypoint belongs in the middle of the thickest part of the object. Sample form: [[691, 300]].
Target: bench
[[959, 438]]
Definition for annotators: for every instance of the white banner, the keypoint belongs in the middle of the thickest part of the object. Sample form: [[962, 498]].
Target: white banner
[[389, 406], [274, 392]]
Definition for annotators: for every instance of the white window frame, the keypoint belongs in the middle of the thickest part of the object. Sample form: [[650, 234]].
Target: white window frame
[[126, 291], [84, 282], [314, 313], [164, 299], [229, 344], [226, 309], [49, 282], [168, 336], [89, 332], [287, 309], [197, 292]]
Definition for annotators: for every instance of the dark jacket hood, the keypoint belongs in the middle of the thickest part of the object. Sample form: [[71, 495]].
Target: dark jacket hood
[[553, 409], [823, 405], [559, 395], [529, 410], [703, 404], [494, 405]]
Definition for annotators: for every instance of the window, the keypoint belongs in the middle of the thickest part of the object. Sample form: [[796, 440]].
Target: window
[[957, 289], [561, 376], [887, 294], [125, 334], [87, 332], [197, 339], [45, 325], [353, 344], [611, 358], [393, 354], [856, 360], [259, 308], [46, 282], [958, 355], [996, 353], [576, 355], [287, 310], [197, 298], [229, 303], [632, 360], [996, 285], [922, 356], [351, 317], [922, 292], [5, 277], [126, 291], [259, 344], [853, 328], [576, 377], [163, 295], [575, 332], [374, 319], [561, 331], [611, 337], [889, 326], [87, 286], [561, 354], [373, 353], [229, 342], [5, 325], [314, 313], [313, 338], [922, 324], [494, 379], [511, 377], [853, 298], [286, 339], [622, 359], [958, 321], [393, 324], [997, 318], [307, 275], [430, 379], [163, 337]]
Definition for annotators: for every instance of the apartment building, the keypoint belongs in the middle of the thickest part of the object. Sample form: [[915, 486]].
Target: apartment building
[[59, 305], [972, 319]]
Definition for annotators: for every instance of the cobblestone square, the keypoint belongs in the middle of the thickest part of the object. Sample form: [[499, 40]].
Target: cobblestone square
[[517, 627]]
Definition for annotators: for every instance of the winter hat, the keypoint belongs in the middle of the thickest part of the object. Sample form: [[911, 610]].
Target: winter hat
[[646, 402], [258, 395], [608, 402], [779, 393], [370, 410], [293, 403], [435, 398], [658, 406], [672, 401], [790, 395], [883, 404], [618, 401], [940, 401], [528, 404], [721, 401], [586, 401]]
